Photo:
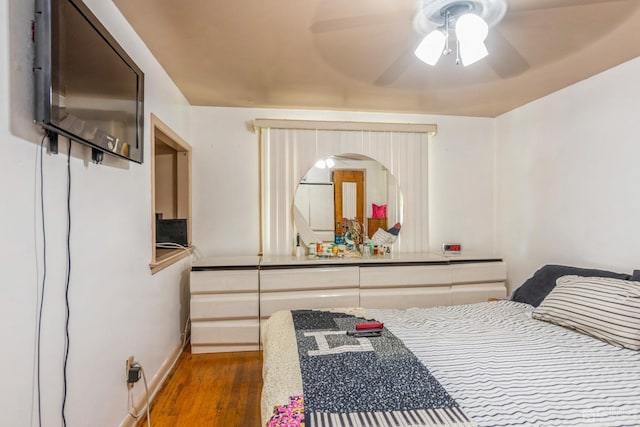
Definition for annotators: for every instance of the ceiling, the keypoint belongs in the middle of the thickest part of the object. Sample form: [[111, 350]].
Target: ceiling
[[358, 54]]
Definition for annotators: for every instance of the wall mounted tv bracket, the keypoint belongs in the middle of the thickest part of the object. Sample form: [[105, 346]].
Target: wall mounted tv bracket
[[53, 141], [96, 155]]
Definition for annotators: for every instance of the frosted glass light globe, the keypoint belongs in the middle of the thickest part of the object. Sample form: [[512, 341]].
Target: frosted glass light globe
[[431, 47], [471, 28], [472, 52]]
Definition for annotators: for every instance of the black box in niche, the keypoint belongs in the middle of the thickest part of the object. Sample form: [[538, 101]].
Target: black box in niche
[[172, 231]]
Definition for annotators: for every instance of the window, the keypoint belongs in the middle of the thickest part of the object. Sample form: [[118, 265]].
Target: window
[[170, 194]]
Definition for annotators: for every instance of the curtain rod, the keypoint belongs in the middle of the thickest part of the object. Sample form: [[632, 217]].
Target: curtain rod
[[431, 129]]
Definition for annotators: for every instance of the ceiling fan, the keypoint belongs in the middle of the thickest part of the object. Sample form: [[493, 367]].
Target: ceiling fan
[[438, 18], [471, 20]]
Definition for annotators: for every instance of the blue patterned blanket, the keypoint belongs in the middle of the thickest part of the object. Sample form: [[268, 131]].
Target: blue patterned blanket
[[368, 382]]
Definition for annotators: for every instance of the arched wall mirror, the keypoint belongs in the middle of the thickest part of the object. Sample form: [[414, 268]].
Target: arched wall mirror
[[346, 186], [289, 148]]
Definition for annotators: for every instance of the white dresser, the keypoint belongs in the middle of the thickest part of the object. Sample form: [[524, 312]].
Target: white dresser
[[231, 296], [225, 301]]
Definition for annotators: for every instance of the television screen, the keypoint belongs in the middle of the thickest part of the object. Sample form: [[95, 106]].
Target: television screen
[[87, 87]]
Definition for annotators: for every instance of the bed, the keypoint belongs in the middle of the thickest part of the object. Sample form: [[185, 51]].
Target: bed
[[489, 364]]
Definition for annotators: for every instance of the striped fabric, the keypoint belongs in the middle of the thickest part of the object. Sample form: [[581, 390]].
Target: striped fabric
[[506, 369], [445, 417], [608, 309]]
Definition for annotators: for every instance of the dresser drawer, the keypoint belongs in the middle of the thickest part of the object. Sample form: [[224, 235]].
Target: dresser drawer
[[308, 278], [403, 276], [224, 306], [477, 292], [228, 332], [224, 281], [479, 272], [330, 298], [405, 297]]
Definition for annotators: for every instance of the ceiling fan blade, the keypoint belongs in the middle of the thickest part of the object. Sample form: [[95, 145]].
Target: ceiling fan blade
[[397, 67], [505, 60], [523, 6], [350, 22]]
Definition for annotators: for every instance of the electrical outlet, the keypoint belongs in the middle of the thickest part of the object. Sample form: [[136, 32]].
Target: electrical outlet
[[129, 362]]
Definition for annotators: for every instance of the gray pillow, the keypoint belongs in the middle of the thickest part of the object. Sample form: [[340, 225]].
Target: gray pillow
[[537, 287]]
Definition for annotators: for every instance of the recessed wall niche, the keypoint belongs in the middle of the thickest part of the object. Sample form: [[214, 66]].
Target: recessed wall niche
[[170, 191]]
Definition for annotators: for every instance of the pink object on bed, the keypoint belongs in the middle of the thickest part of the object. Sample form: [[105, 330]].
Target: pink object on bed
[[288, 415]]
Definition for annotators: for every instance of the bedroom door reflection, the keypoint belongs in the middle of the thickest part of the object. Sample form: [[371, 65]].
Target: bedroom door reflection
[[348, 196]]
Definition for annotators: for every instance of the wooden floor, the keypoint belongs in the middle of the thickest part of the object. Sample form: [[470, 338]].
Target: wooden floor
[[221, 389]]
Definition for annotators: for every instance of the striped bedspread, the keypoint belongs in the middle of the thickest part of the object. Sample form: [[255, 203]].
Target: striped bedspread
[[506, 369]]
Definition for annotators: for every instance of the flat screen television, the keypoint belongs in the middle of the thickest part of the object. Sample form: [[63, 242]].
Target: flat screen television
[[86, 87]]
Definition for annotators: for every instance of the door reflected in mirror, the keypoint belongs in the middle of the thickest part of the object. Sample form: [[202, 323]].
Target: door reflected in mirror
[[345, 187]]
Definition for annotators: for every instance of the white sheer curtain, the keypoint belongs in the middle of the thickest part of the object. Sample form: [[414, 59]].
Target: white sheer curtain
[[287, 155]]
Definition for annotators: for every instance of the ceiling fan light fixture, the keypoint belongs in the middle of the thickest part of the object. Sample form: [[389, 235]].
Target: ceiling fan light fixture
[[469, 20], [430, 48], [472, 51]]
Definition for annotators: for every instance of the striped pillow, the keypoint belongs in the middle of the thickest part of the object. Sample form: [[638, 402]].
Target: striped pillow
[[605, 308]]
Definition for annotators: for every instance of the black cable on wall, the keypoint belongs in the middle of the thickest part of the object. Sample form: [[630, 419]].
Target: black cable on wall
[[67, 341], [44, 280]]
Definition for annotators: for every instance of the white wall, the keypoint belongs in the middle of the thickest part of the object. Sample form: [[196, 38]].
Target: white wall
[[117, 307], [567, 177], [461, 191], [225, 177]]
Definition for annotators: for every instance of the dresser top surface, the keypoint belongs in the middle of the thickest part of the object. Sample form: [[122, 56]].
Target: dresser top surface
[[228, 261], [304, 261]]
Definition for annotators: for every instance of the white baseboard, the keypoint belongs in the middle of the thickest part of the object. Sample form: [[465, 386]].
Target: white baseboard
[[154, 385]]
